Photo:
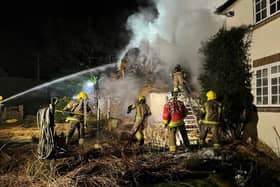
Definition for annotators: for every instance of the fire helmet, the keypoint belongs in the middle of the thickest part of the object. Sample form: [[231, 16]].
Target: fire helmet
[[170, 96], [82, 95], [211, 95], [141, 98], [178, 67]]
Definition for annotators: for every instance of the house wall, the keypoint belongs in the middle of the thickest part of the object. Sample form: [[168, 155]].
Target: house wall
[[265, 42], [267, 120], [243, 14], [156, 102]]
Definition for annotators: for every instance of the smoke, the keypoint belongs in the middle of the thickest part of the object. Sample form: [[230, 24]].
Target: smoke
[[167, 34], [173, 33]]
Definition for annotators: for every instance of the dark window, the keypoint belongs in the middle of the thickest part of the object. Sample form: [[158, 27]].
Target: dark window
[[274, 100], [274, 81], [274, 69], [272, 8], [259, 74], [265, 91], [264, 14], [265, 100], [258, 7]]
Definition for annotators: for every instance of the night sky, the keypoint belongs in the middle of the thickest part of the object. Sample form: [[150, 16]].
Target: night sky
[[64, 37]]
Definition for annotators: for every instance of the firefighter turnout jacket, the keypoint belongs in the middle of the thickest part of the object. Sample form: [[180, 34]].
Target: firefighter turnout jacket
[[76, 107], [174, 112], [211, 113]]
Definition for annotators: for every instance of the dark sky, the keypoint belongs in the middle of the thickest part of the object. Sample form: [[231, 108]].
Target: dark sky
[[30, 29]]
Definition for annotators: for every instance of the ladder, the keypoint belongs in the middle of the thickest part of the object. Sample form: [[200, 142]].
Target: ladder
[[191, 121]]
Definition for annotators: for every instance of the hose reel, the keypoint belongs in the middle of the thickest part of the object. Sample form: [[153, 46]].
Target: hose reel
[[45, 123]]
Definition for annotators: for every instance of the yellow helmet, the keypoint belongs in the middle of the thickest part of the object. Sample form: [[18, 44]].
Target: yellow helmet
[[82, 95], [1, 98], [141, 98], [211, 95]]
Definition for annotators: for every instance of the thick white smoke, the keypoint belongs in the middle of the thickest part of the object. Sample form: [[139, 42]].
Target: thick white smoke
[[170, 36], [175, 35]]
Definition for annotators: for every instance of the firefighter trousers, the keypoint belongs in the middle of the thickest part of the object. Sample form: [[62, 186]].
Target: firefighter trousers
[[178, 81], [140, 133], [76, 125], [206, 129], [172, 137]]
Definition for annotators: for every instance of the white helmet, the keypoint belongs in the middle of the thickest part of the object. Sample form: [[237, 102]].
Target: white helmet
[[170, 96]]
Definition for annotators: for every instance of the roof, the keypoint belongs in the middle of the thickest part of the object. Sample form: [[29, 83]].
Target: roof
[[224, 6]]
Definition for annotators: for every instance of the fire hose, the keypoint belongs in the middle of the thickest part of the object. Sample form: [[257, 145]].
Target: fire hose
[[68, 112], [45, 123], [46, 138]]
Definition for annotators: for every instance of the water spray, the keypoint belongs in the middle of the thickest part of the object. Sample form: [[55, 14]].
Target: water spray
[[102, 68]]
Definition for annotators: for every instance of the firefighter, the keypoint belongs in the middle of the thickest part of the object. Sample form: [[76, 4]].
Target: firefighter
[[211, 118], [178, 76], [174, 112], [123, 67], [76, 120], [141, 116], [251, 121]]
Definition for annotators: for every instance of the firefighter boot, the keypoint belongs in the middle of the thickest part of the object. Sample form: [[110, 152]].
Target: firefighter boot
[[141, 143]]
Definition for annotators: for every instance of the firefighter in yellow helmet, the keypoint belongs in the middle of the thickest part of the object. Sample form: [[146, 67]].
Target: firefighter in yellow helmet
[[211, 118], [141, 116], [76, 118]]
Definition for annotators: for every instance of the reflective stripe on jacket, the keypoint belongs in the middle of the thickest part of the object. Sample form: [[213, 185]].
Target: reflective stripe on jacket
[[76, 106], [211, 113], [174, 113], [142, 109]]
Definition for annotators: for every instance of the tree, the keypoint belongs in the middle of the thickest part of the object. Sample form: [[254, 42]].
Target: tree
[[226, 70]]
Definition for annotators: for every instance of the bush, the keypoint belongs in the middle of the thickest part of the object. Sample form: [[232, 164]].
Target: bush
[[59, 116], [226, 70]]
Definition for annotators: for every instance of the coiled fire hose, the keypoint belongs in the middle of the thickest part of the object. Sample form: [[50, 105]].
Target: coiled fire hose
[[46, 137]]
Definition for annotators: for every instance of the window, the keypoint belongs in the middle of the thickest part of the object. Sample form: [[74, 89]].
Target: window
[[274, 6], [268, 85], [266, 8], [262, 86], [261, 10]]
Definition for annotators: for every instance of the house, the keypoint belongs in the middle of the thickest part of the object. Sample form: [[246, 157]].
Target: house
[[264, 17]]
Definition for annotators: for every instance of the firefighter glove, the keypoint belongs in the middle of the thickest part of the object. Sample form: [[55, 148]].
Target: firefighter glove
[[129, 108]]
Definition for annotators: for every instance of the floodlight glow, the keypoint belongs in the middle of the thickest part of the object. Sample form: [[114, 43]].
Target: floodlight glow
[[89, 84], [88, 87]]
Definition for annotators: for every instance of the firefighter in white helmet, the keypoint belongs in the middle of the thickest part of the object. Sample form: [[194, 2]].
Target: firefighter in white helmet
[[174, 112], [76, 118]]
